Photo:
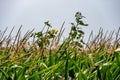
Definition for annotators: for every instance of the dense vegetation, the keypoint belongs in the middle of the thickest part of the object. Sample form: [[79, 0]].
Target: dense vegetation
[[42, 55]]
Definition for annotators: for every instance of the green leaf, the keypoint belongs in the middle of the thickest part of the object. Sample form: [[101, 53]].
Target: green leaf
[[66, 70], [116, 73], [38, 34], [51, 59], [117, 58], [1, 52], [47, 23], [79, 15], [80, 22], [80, 31], [46, 70], [99, 62], [82, 76], [21, 74], [4, 74]]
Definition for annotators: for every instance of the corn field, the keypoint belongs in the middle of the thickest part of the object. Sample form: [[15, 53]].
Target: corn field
[[42, 56]]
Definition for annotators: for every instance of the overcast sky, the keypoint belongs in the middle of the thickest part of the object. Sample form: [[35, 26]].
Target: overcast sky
[[33, 13]]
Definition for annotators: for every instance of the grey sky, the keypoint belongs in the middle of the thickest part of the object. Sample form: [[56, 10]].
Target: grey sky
[[33, 13]]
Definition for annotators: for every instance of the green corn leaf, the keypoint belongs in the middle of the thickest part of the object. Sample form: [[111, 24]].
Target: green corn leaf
[[4, 74], [117, 58], [99, 62], [82, 76], [46, 70], [21, 74]]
